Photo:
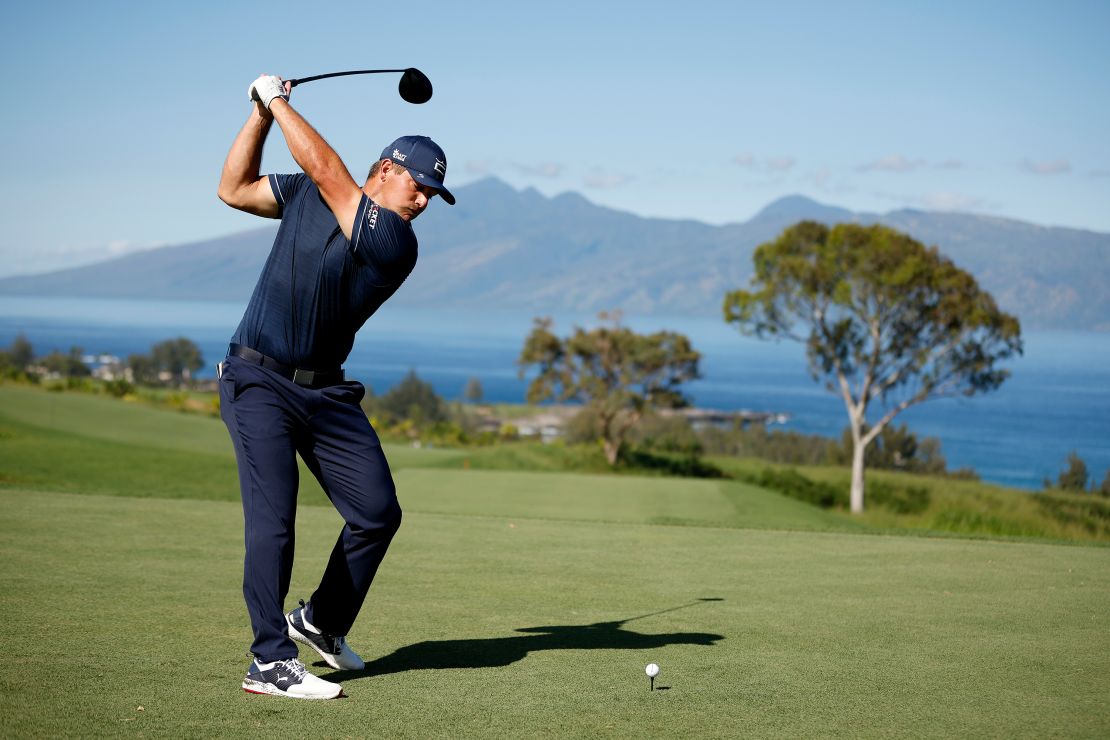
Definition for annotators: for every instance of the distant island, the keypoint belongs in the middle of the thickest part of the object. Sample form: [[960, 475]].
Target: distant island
[[517, 250]]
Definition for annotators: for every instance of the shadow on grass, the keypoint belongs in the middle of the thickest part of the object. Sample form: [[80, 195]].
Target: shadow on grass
[[495, 652]]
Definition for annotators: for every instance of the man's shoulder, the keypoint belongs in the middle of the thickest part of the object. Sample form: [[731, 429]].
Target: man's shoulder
[[385, 241], [289, 187]]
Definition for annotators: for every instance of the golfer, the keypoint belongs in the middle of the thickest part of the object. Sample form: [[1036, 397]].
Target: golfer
[[339, 253]]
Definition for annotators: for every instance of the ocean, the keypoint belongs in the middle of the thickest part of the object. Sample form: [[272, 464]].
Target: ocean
[[1056, 401]]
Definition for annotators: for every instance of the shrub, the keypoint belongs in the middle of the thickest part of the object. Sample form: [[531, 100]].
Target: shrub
[[1089, 512], [791, 483], [685, 465], [118, 388], [900, 500]]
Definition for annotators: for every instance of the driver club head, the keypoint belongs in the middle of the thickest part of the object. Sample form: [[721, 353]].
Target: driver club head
[[415, 87]]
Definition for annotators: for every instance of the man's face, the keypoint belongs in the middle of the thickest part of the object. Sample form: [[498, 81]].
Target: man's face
[[402, 194]]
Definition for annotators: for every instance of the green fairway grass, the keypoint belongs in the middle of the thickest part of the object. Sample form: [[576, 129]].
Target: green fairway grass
[[483, 625], [521, 603]]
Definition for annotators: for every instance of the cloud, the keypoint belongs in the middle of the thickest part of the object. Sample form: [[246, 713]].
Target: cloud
[[892, 163], [780, 164], [478, 167], [543, 169], [772, 164], [951, 202], [1054, 167], [950, 164], [604, 181], [121, 246], [1099, 173]]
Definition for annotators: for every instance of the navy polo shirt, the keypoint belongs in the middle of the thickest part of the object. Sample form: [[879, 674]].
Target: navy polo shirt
[[317, 288]]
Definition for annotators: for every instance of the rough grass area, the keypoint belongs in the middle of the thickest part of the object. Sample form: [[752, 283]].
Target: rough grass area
[[957, 506], [129, 622]]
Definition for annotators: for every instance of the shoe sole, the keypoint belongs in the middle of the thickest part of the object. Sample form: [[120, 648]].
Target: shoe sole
[[327, 657], [258, 687]]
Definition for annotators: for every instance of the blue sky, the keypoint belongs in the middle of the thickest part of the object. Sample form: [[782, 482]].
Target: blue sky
[[117, 116]]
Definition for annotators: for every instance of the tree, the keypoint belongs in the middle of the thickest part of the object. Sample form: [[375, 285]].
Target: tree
[[884, 320], [897, 448], [179, 357], [473, 392], [413, 399], [67, 365], [618, 374], [1074, 476], [1104, 489], [19, 354], [143, 369]]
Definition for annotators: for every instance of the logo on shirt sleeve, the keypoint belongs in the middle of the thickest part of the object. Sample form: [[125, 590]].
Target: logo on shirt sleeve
[[372, 216]]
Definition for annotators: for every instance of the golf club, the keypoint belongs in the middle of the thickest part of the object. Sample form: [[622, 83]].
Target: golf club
[[695, 602], [414, 86]]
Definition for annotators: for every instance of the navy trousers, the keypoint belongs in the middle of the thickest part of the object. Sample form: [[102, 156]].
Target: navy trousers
[[271, 420]]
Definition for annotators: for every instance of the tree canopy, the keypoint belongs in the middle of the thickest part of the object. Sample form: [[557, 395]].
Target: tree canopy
[[617, 373], [884, 319], [413, 399]]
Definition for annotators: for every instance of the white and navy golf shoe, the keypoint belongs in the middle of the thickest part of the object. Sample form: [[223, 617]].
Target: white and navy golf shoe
[[288, 678], [334, 650]]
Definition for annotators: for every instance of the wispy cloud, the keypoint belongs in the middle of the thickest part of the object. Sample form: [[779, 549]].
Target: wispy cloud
[[478, 167], [780, 164], [892, 163], [951, 202], [744, 160], [1052, 167], [747, 160], [542, 169], [605, 181], [950, 164]]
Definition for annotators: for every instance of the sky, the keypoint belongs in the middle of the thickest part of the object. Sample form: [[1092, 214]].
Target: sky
[[117, 116]]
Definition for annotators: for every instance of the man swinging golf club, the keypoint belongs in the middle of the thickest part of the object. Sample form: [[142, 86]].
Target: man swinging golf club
[[339, 253]]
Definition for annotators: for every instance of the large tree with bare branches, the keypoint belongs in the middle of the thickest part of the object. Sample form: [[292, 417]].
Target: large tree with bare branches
[[887, 322]]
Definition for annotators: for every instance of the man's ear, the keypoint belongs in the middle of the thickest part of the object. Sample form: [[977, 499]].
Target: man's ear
[[383, 171]]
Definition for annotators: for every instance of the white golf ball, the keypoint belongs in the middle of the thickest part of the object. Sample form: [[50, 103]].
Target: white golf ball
[[652, 670]]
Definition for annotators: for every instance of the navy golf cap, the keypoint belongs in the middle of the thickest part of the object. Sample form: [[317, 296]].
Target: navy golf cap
[[424, 160]]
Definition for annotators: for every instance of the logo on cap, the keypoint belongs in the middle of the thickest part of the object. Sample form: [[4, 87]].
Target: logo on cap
[[398, 156], [441, 168]]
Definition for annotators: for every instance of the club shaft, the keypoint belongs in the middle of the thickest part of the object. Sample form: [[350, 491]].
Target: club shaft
[[294, 83]]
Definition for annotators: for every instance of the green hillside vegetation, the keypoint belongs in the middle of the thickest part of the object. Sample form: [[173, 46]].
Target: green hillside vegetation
[[84, 443], [526, 602]]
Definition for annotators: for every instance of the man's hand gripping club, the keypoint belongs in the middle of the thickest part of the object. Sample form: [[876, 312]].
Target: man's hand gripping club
[[268, 87]]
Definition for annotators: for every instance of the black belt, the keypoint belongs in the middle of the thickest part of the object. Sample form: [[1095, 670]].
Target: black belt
[[307, 378]]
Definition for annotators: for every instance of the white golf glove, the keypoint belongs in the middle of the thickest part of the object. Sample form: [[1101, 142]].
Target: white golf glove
[[266, 88]]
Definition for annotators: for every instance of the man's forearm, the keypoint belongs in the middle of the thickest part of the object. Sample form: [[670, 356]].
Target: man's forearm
[[244, 160], [314, 155]]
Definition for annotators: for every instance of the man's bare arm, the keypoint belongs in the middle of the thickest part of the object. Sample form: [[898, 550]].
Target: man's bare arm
[[240, 184], [320, 162]]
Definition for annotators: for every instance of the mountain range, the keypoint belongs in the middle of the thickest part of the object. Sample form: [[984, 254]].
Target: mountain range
[[518, 250]]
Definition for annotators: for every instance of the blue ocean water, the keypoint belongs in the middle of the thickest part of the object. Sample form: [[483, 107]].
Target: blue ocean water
[[1057, 400]]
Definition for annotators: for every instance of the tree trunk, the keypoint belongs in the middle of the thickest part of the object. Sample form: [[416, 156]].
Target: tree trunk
[[612, 449], [858, 448]]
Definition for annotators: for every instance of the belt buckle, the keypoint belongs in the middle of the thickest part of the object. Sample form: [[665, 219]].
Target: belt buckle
[[303, 377]]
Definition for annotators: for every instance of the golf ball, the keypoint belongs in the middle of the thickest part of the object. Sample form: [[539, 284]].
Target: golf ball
[[652, 670]]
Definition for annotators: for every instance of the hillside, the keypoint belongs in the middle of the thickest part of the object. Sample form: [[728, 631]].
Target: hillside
[[502, 248]]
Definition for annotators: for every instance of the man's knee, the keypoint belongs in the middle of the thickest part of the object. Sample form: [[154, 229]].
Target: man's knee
[[377, 521]]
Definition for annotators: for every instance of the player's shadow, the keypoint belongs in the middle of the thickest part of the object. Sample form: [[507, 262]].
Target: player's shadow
[[494, 652]]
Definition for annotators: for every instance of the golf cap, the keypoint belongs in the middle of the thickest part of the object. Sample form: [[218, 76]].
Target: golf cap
[[424, 160]]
